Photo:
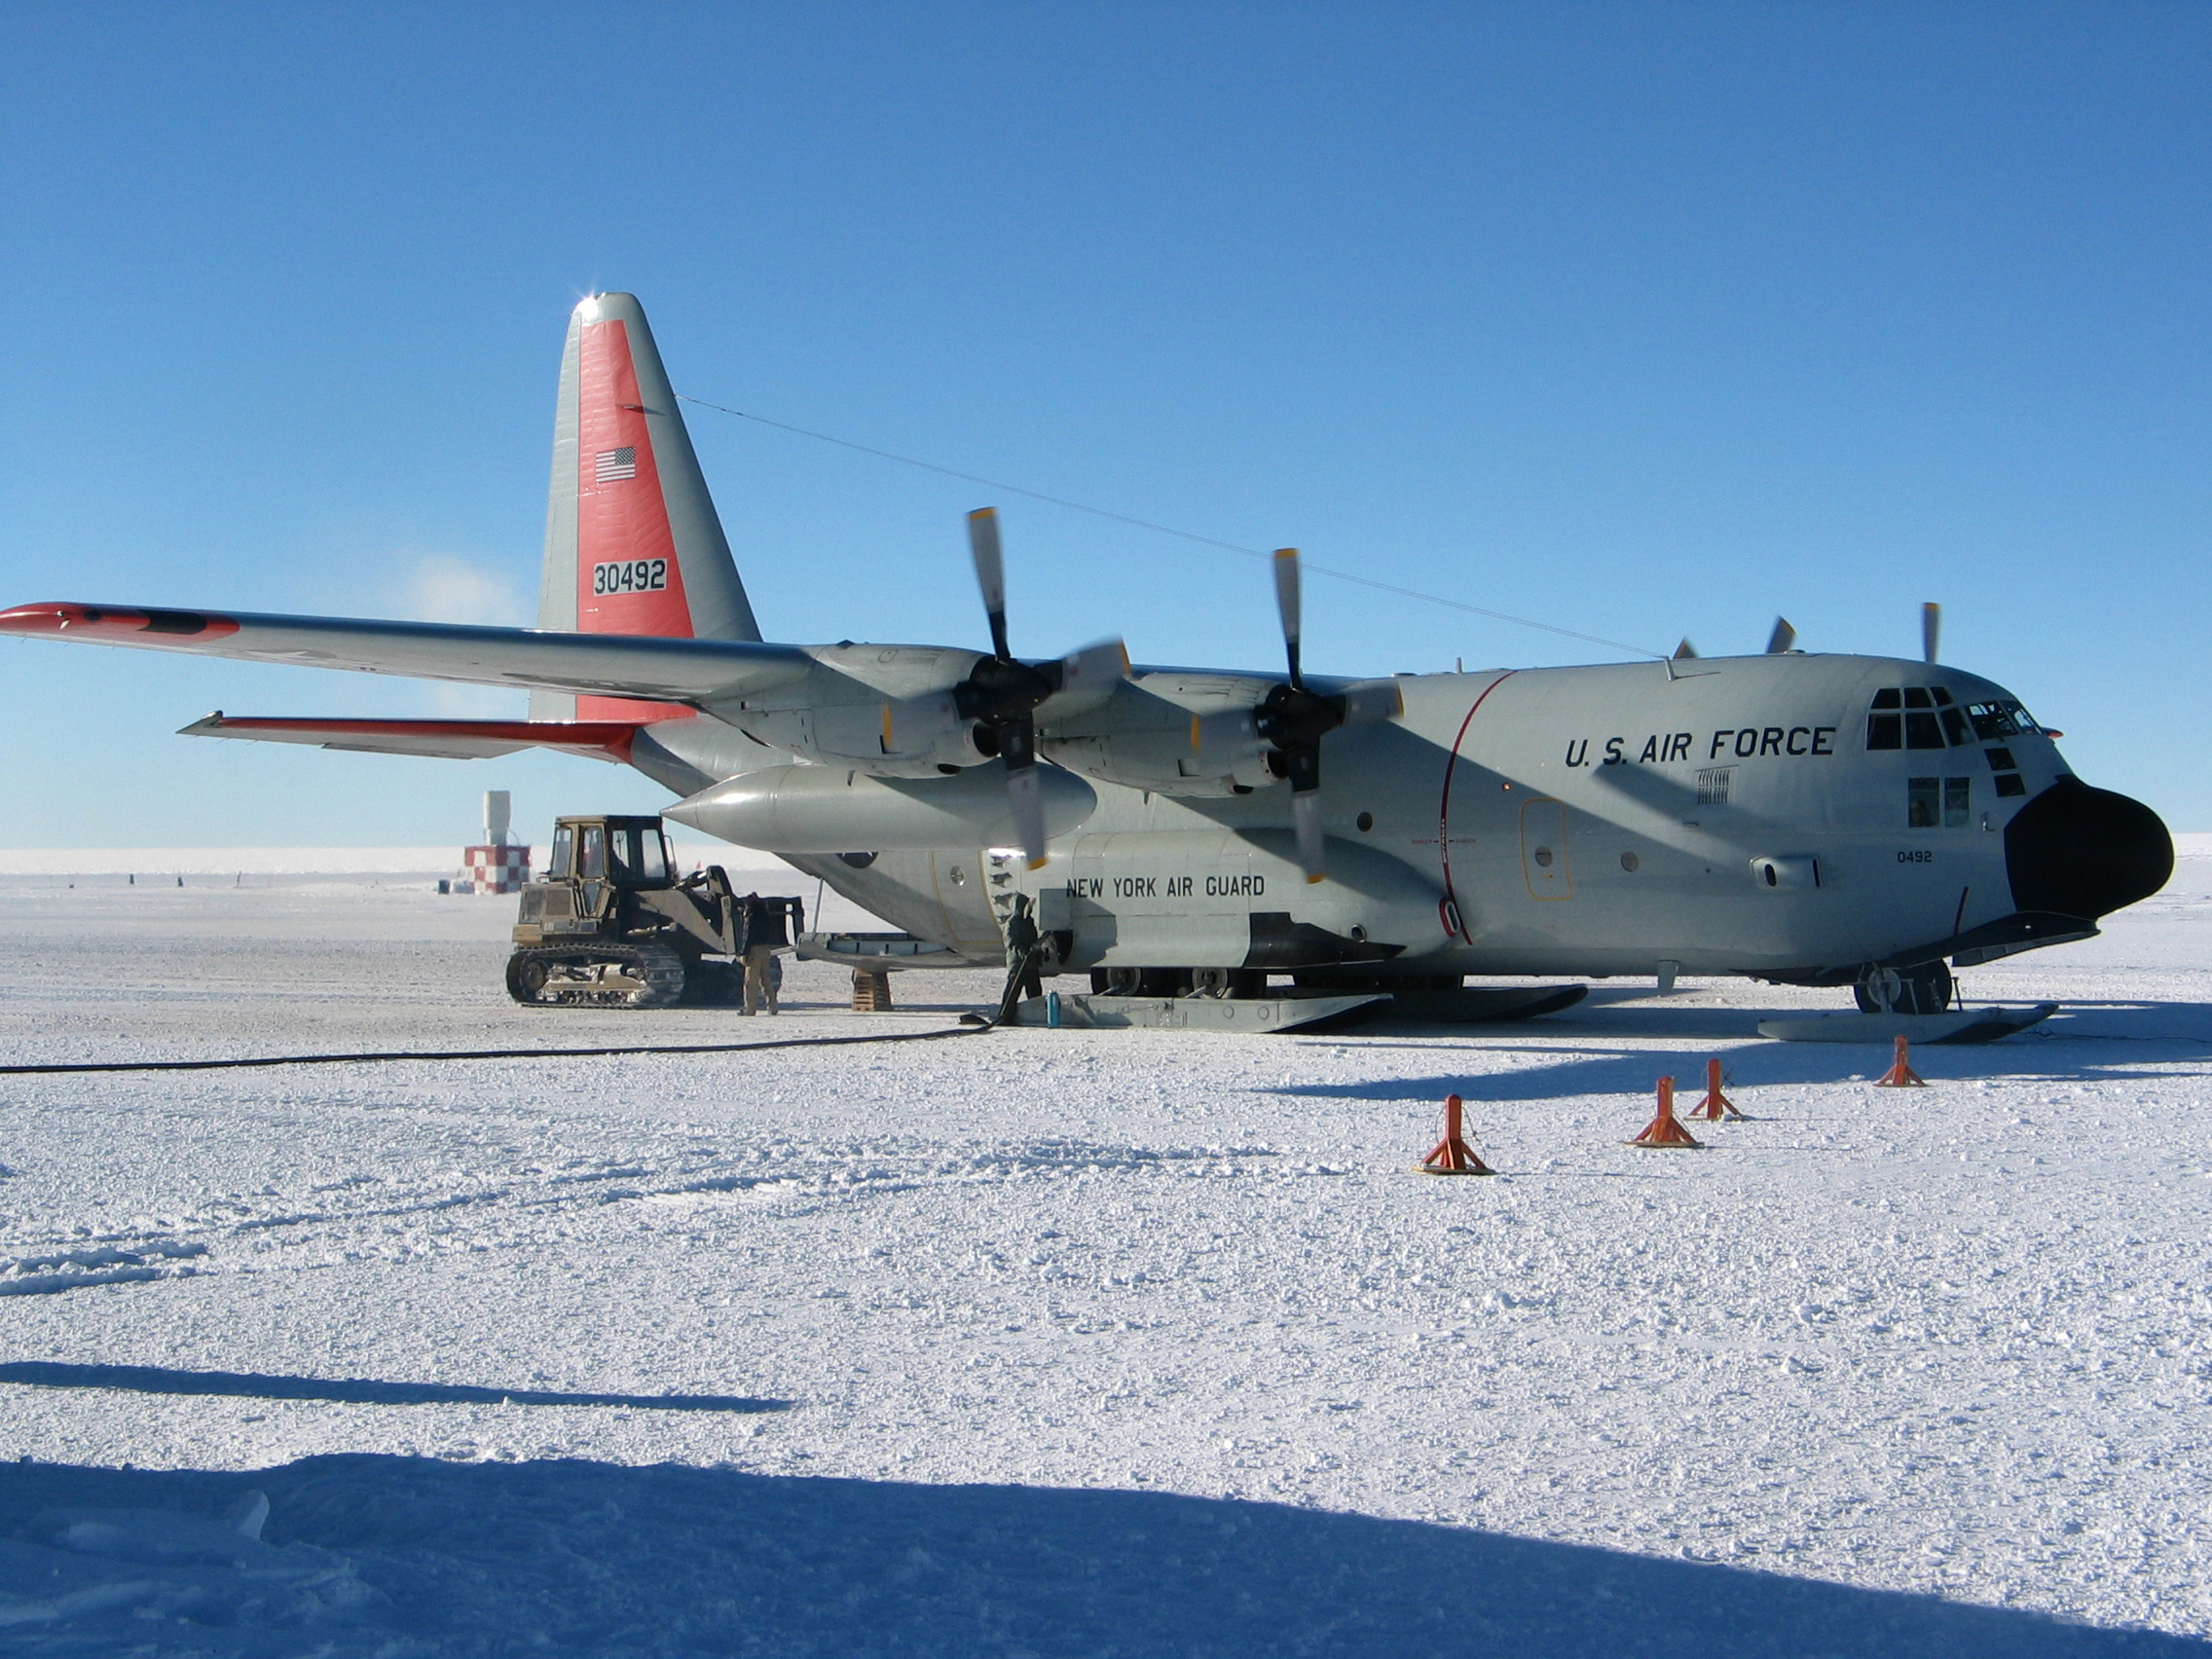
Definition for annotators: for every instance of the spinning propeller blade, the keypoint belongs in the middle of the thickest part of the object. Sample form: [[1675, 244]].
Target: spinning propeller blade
[[1305, 824], [1931, 628], [1295, 720], [1287, 606], [990, 574], [1023, 793], [1002, 695], [1090, 673], [1783, 637]]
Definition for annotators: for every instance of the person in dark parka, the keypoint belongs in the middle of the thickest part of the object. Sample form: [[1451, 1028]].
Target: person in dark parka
[[763, 932], [1021, 954]]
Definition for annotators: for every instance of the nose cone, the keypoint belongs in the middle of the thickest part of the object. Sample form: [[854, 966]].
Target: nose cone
[[2084, 852]]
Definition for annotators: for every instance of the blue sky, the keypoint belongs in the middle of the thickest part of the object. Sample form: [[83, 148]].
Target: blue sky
[[1640, 320]]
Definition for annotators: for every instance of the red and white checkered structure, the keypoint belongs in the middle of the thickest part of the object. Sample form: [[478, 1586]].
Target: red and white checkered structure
[[496, 870]]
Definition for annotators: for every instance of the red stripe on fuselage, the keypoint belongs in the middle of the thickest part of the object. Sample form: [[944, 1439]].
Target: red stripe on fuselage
[[1449, 908], [623, 523]]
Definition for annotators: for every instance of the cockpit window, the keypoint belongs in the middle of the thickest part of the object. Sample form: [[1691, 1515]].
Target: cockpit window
[[1916, 716], [1993, 722]]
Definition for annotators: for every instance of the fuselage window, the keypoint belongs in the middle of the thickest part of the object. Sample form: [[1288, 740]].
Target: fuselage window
[[1924, 803], [2007, 771], [1932, 803]]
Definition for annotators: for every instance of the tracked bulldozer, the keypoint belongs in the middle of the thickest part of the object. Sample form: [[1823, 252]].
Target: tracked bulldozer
[[611, 925]]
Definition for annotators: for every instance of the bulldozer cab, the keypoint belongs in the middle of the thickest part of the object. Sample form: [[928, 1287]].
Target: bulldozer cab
[[624, 852]]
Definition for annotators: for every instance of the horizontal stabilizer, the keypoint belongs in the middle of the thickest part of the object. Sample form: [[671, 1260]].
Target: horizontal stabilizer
[[441, 740], [616, 665]]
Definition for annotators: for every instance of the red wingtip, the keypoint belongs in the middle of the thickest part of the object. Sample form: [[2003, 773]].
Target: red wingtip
[[36, 618], [113, 622]]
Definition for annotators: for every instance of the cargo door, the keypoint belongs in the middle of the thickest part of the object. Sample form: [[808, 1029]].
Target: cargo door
[[960, 882]]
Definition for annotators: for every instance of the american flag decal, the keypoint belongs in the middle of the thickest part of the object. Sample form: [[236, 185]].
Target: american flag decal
[[616, 464]]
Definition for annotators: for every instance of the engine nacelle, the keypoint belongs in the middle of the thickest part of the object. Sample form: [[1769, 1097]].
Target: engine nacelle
[[1197, 754], [898, 737], [837, 809], [1181, 734]]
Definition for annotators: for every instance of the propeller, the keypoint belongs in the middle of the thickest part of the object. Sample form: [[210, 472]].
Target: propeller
[[1685, 649], [1931, 629], [1782, 639], [1002, 695], [1294, 718]]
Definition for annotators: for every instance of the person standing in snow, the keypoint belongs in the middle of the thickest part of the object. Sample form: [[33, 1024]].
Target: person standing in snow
[[1021, 952], [763, 932]]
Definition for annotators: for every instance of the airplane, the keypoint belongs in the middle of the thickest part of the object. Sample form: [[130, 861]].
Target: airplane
[[1801, 819]]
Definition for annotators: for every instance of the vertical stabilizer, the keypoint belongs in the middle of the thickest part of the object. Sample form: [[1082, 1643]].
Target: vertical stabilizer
[[633, 544]]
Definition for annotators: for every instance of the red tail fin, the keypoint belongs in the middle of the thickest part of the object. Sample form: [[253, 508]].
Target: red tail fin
[[632, 541]]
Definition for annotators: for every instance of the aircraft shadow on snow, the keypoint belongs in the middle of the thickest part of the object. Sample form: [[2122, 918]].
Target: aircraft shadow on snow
[[1637, 1011], [581, 1557], [2063, 1056], [356, 1391]]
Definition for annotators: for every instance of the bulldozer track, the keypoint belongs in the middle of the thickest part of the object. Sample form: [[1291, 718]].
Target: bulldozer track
[[605, 974]]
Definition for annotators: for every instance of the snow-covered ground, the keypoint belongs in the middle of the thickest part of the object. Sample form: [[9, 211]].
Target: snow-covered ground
[[1076, 1344]]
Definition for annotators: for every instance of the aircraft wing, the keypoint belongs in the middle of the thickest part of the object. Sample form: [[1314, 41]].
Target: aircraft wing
[[612, 665], [443, 740]]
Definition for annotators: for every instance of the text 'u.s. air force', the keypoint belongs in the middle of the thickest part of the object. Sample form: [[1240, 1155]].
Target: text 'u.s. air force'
[[1743, 743]]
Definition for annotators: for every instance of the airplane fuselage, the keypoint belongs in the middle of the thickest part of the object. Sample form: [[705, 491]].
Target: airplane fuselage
[[1723, 815]]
